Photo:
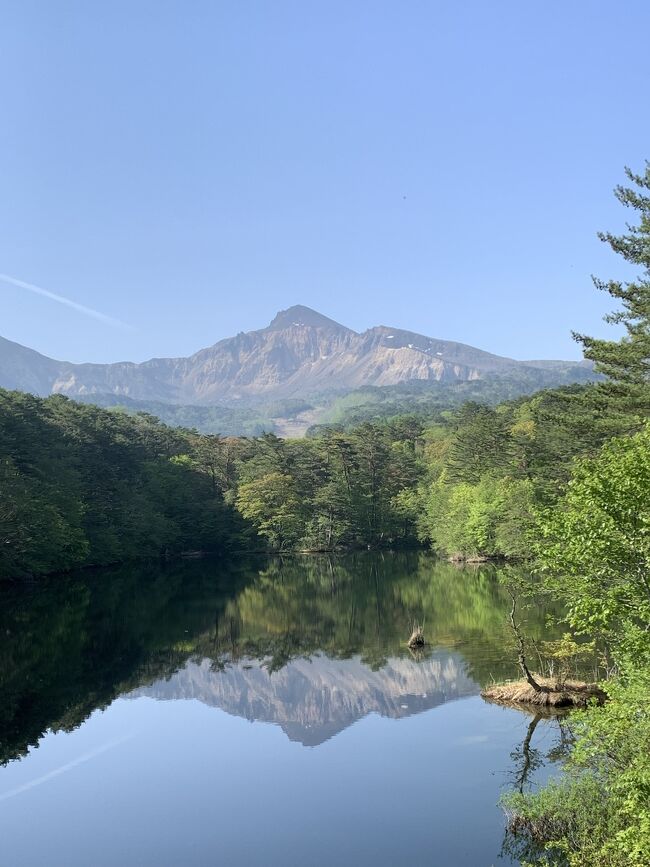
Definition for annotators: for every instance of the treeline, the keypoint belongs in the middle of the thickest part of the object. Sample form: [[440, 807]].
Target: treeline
[[83, 486], [468, 486], [490, 471], [338, 490], [226, 420]]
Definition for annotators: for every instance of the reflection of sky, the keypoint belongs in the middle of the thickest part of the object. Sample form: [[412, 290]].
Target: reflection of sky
[[405, 758], [314, 699], [197, 786]]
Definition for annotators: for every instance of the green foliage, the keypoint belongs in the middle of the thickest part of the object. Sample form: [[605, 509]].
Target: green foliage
[[564, 655], [627, 361], [84, 486], [272, 504], [598, 813], [487, 519], [595, 548], [332, 491], [479, 446], [224, 420], [594, 554]]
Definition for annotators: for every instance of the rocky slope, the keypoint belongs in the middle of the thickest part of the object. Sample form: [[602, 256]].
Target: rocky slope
[[300, 353]]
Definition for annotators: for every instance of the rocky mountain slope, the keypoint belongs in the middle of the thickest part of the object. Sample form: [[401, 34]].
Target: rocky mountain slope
[[301, 353]]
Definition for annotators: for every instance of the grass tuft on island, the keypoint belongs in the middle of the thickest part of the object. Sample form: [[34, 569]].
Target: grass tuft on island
[[570, 693]]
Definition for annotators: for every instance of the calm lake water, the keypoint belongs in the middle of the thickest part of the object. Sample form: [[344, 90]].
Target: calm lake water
[[263, 713]]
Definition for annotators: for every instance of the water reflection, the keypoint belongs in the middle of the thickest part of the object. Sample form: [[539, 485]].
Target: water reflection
[[311, 644], [527, 758], [312, 700], [181, 655]]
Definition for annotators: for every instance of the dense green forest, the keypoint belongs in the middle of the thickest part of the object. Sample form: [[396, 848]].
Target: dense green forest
[[86, 486], [225, 420]]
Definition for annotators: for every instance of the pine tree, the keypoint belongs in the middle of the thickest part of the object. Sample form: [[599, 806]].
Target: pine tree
[[627, 361]]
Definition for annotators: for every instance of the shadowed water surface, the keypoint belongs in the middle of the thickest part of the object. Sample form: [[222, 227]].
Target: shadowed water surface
[[261, 714]]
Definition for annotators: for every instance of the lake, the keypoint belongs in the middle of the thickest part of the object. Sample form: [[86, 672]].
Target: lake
[[262, 713]]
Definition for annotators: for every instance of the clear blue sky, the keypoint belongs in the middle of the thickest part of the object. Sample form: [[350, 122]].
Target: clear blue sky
[[189, 168]]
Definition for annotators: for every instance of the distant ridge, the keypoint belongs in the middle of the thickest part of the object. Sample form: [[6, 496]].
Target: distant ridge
[[301, 353]]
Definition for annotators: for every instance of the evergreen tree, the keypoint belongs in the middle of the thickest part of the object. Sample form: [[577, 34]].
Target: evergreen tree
[[627, 361]]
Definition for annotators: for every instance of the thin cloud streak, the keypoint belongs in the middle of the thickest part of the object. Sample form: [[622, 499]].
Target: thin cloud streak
[[81, 308], [57, 771]]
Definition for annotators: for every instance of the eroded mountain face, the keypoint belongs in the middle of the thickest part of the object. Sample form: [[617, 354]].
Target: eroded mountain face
[[300, 353]]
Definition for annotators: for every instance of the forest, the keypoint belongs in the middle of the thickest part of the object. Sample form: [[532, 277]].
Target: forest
[[560, 480], [84, 486], [89, 486]]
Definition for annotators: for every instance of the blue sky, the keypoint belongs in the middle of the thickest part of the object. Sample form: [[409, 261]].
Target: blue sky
[[190, 168]]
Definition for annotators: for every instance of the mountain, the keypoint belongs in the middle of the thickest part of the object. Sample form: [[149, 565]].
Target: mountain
[[314, 699], [26, 370], [301, 353]]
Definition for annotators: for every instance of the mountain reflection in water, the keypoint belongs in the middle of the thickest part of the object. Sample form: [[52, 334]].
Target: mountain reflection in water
[[136, 684], [309, 643], [313, 700]]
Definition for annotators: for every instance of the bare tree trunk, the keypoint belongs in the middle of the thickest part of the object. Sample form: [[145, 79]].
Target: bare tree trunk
[[521, 649]]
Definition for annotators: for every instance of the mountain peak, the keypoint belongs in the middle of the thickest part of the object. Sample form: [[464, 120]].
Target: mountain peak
[[301, 353], [299, 315]]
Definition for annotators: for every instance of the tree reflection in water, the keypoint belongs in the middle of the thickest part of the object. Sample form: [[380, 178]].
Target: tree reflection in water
[[74, 643], [526, 759]]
